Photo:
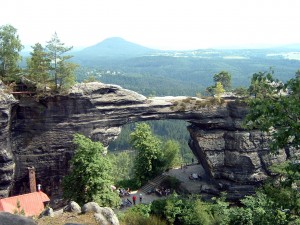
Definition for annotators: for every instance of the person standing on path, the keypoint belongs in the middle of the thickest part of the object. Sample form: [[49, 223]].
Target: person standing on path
[[134, 199], [141, 198]]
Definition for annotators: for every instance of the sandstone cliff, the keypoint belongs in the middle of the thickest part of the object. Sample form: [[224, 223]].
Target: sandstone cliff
[[7, 164], [39, 133]]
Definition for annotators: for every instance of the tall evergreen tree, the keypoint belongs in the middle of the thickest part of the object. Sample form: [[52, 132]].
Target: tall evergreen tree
[[62, 70], [10, 46], [38, 66]]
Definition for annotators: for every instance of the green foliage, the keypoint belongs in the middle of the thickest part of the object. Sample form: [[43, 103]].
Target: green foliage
[[10, 47], [153, 157], [283, 191], [173, 208], [131, 183], [224, 78], [186, 211], [140, 214], [122, 165], [220, 210], [286, 198], [275, 109], [258, 209], [62, 70], [142, 209], [197, 213], [122, 169], [38, 66], [241, 91], [210, 90], [19, 210], [89, 178], [134, 218], [171, 153], [171, 183], [148, 162], [219, 90], [222, 82], [158, 206]]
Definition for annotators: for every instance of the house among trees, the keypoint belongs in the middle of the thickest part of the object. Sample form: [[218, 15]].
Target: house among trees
[[30, 204]]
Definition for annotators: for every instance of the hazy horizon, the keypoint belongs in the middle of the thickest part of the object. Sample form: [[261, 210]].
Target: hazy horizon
[[165, 25]]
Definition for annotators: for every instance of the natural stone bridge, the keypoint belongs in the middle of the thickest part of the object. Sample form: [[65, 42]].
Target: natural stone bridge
[[39, 133]]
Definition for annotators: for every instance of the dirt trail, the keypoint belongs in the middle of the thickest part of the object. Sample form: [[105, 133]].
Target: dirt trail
[[182, 174]]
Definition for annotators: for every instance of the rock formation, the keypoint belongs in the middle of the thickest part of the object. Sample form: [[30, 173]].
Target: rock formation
[[7, 164], [39, 133]]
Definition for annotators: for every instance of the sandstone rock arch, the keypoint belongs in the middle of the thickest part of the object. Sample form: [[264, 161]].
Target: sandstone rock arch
[[40, 133]]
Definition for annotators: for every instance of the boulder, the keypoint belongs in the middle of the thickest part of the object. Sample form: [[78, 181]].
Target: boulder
[[109, 215], [72, 207], [47, 212], [91, 207], [11, 219], [103, 215]]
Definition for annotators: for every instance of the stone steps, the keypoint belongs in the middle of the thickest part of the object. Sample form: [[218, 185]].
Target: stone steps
[[153, 183]]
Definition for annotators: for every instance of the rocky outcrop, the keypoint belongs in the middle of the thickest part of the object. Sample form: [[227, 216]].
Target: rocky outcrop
[[7, 164], [236, 159], [103, 215], [39, 133]]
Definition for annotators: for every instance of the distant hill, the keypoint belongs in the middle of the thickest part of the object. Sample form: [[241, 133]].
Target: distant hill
[[115, 47]]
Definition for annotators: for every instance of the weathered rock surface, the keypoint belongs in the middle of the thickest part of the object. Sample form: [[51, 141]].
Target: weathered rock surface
[[103, 215], [11, 219], [47, 212], [39, 133], [72, 207], [7, 164]]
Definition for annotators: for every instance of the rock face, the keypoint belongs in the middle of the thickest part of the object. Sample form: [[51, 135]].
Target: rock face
[[7, 164], [235, 158], [39, 133]]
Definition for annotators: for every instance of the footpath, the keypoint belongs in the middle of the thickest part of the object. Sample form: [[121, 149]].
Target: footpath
[[182, 174]]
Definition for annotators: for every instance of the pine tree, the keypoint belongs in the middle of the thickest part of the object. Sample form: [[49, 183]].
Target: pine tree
[[219, 90], [62, 70], [38, 66], [10, 46]]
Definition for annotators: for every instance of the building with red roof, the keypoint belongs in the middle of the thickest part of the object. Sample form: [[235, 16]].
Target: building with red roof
[[32, 203]]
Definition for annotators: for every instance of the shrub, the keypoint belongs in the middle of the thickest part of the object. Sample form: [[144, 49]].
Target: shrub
[[171, 183], [140, 214]]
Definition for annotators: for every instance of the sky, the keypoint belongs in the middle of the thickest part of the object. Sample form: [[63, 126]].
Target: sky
[[160, 24]]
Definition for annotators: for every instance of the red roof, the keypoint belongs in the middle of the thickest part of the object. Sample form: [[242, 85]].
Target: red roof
[[32, 203]]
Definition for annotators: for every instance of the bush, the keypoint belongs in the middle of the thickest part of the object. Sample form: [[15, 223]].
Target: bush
[[171, 183], [197, 213], [158, 206], [133, 184], [140, 214]]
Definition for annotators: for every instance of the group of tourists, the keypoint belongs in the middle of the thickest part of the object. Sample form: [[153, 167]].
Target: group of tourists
[[161, 191], [123, 192], [127, 201]]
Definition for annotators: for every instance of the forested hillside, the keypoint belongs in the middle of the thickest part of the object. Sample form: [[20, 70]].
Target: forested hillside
[[167, 75]]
